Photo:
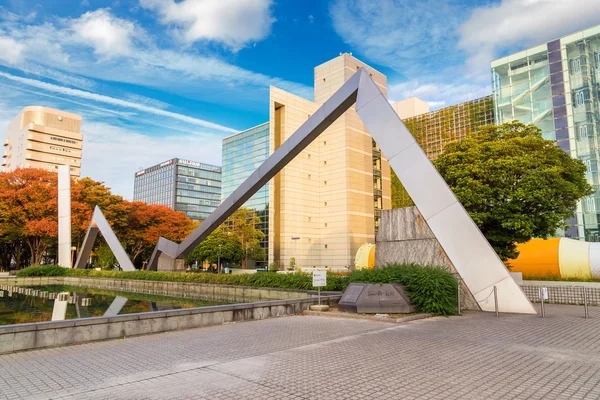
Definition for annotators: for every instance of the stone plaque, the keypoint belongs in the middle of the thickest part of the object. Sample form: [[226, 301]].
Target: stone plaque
[[388, 298]]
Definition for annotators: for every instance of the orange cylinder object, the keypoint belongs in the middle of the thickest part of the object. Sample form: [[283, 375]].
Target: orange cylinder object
[[538, 257]]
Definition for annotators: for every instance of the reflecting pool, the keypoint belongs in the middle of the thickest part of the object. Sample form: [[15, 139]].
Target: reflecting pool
[[19, 305]]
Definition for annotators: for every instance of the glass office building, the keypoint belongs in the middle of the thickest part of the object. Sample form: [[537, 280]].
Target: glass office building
[[183, 185], [556, 86], [243, 153]]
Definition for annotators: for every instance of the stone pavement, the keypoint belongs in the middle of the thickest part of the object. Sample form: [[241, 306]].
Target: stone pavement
[[475, 356]]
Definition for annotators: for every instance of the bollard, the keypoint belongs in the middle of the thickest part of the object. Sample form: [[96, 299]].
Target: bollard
[[585, 303], [496, 300], [458, 298]]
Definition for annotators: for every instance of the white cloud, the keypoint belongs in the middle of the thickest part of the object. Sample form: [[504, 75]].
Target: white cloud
[[110, 36], [113, 154], [11, 52], [498, 27], [234, 23], [438, 94], [115, 102], [409, 36]]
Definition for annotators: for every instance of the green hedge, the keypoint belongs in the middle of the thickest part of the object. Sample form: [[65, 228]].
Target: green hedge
[[261, 279], [43, 270], [431, 289]]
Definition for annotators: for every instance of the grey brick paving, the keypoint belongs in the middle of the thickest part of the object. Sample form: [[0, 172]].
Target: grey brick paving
[[476, 356]]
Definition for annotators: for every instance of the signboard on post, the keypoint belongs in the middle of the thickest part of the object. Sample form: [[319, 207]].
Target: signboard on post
[[544, 293], [319, 278]]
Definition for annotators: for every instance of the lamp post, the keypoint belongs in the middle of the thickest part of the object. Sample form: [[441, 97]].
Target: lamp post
[[295, 239], [219, 261]]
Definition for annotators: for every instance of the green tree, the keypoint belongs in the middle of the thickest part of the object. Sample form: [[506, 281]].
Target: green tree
[[514, 184], [229, 246], [242, 224]]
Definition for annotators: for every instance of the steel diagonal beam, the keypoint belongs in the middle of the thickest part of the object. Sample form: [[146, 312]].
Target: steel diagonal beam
[[474, 259]]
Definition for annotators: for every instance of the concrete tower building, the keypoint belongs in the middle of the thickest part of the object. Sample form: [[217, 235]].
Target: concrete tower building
[[41, 137], [327, 202]]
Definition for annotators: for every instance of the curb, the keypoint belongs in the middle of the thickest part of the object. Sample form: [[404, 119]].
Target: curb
[[366, 317]]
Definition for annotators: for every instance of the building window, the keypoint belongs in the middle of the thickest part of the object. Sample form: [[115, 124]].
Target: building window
[[576, 66], [325, 204], [588, 164], [597, 59], [308, 176], [309, 156], [325, 183], [590, 205], [579, 98], [324, 142], [582, 131], [324, 162], [309, 219], [325, 246]]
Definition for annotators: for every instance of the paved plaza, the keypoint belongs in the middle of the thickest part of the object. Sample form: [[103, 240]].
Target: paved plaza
[[475, 356]]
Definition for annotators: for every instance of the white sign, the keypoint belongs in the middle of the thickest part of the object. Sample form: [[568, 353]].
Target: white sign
[[544, 293], [319, 277]]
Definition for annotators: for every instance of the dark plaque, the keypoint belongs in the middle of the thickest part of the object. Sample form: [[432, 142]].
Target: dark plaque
[[388, 298]]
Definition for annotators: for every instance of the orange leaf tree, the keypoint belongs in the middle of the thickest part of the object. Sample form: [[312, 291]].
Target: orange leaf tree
[[146, 223], [28, 199]]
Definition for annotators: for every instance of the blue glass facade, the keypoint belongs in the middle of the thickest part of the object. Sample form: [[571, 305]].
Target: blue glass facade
[[556, 86], [243, 153], [183, 185]]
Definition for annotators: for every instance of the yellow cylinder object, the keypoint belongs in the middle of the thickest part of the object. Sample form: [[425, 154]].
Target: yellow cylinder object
[[574, 258], [365, 256], [538, 257]]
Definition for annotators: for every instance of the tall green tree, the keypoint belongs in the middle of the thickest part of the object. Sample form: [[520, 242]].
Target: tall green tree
[[219, 244], [514, 184]]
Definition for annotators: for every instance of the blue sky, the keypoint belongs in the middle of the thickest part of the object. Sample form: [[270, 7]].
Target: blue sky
[[156, 79]]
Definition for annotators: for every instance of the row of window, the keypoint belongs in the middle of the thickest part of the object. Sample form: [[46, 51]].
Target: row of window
[[208, 185], [214, 176], [59, 139]]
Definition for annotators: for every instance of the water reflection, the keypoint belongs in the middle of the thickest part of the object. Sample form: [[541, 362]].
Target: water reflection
[[57, 303]]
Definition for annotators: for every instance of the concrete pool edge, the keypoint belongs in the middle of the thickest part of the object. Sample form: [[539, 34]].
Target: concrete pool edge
[[60, 333]]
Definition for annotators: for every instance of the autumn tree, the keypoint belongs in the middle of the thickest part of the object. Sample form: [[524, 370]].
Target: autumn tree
[[514, 184], [86, 194], [146, 224], [28, 210]]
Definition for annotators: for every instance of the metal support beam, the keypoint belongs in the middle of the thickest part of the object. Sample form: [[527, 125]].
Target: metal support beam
[[99, 223], [468, 250]]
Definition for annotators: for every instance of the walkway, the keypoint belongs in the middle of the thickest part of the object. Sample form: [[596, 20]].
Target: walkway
[[476, 356]]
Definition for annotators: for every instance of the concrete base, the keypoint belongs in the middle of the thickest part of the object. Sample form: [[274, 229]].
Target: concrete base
[[319, 307], [169, 264]]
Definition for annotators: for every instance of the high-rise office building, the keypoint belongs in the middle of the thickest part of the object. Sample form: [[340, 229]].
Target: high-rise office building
[[183, 185], [41, 137], [556, 86], [242, 154]]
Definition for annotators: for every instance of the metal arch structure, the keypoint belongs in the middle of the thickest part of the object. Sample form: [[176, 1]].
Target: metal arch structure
[[474, 259], [100, 224]]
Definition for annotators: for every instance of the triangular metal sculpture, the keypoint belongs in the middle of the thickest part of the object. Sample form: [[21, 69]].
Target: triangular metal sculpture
[[466, 247], [99, 223]]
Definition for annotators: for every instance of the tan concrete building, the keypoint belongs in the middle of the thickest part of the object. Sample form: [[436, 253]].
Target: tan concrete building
[[327, 202], [41, 137]]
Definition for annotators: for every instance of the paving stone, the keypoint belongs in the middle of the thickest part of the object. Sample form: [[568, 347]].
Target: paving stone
[[475, 356]]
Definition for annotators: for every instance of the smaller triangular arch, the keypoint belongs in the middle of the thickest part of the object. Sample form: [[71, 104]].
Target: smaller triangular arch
[[100, 224]]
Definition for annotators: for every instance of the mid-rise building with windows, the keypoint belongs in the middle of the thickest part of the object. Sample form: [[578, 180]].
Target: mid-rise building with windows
[[244, 152], [41, 137], [433, 130], [183, 185], [556, 86]]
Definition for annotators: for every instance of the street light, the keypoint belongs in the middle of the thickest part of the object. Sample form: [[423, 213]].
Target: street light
[[294, 239], [219, 261]]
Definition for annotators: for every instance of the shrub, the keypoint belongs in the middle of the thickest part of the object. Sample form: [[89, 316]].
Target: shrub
[[283, 281], [43, 270], [431, 289]]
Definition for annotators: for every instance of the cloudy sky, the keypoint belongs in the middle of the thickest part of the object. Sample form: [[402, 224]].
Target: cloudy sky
[[156, 79]]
